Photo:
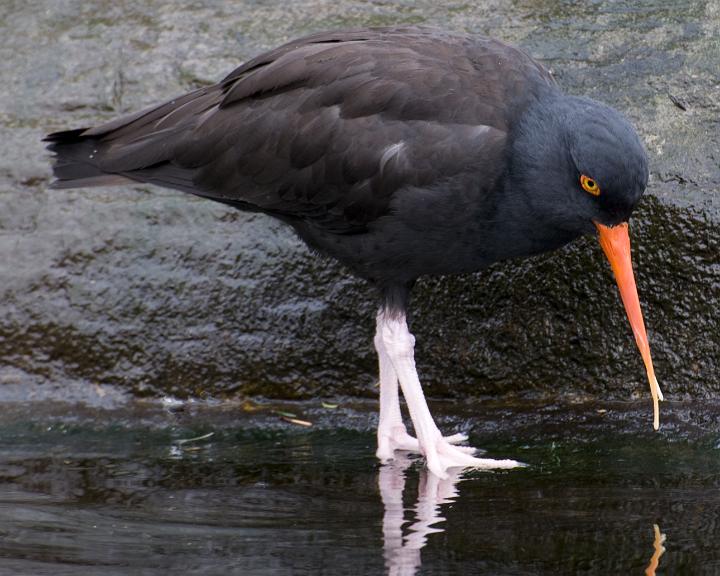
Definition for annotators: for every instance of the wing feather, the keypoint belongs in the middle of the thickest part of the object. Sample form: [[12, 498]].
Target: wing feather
[[325, 129]]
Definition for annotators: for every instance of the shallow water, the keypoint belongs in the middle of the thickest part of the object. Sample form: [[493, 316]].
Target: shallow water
[[120, 493]]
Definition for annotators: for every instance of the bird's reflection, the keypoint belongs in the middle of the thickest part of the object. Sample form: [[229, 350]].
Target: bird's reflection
[[402, 551], [658, 550]]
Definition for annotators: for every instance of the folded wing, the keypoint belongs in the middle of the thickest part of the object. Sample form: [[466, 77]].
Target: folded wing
[[324, 129]]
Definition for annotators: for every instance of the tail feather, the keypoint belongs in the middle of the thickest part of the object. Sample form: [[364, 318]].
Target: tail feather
[[137, 147], [76, 161]]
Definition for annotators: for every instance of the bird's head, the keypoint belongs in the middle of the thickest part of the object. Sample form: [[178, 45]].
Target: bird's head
[[606, 161], [579, 167], [576, 162]]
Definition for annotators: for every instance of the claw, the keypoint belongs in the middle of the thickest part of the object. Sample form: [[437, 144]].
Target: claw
[[395, 345], [397, 438], [441, 456]]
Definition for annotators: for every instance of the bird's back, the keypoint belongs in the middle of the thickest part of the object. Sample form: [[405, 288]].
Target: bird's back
[[325, 131]]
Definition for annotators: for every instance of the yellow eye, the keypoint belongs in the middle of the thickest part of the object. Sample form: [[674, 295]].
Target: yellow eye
[[589, 185]]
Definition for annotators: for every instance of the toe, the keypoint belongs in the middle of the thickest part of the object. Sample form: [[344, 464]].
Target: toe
[[467, 449], [490, 464], [385, 450], [436, 465], [456, 438], [442, 456]]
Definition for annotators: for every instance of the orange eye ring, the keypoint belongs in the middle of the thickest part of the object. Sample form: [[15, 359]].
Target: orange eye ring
[[589, 185]]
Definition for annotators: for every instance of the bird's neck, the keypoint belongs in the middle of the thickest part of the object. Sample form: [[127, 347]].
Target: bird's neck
[[528, 218]]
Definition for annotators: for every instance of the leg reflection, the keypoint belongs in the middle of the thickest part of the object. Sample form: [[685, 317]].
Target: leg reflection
[[402, 552]]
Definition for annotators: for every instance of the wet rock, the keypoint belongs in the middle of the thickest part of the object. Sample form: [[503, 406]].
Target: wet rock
[[151, 291]]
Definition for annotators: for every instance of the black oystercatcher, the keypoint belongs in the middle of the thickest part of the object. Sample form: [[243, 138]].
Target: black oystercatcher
[[400, 152]]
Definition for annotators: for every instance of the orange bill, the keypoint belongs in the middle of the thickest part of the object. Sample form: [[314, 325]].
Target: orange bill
[[615, 243]]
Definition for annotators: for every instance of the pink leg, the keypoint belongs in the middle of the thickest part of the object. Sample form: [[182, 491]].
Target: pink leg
[[391, 433], [398, 343]]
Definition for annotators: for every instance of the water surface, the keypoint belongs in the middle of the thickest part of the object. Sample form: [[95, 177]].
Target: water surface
[[114, 492]]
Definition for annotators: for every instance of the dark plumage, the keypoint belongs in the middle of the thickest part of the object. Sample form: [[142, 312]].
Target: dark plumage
[[398, 151]]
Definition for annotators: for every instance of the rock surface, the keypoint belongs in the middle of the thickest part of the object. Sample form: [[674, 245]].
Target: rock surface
[[139, 290]]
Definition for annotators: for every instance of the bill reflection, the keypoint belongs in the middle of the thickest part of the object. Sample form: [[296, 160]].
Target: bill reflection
[[658, 550]]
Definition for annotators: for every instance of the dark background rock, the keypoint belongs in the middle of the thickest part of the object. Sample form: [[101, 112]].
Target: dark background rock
[[147, 291]]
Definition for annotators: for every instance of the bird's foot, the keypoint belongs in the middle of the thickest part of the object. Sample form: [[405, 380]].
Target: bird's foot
[[442, 456], [397, 438]]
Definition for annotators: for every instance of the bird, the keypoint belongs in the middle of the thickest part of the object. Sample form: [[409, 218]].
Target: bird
[[401, 152]]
